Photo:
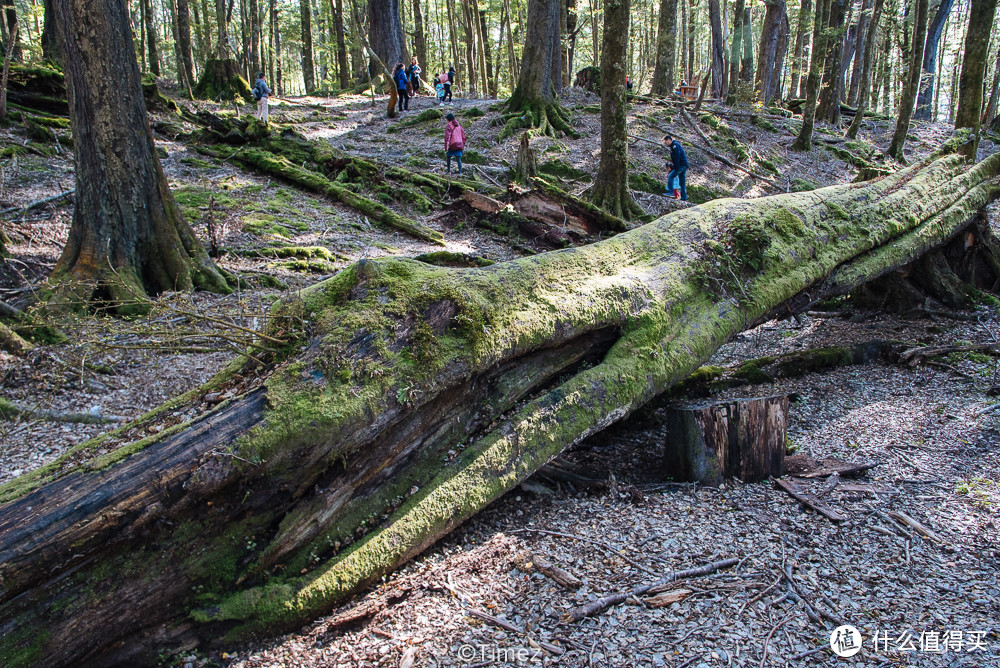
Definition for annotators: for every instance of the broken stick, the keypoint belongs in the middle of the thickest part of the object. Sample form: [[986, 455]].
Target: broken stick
[[602, 604], [808, 500]]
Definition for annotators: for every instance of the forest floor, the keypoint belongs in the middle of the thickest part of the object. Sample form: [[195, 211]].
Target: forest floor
[[928, 428]]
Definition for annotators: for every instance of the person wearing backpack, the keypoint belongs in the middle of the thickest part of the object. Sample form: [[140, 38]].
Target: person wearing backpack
[[401, 79], [448, 83], [261, 93], [454, 142]]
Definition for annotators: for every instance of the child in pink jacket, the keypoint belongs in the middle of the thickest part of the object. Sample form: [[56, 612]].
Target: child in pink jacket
[[454, 142]]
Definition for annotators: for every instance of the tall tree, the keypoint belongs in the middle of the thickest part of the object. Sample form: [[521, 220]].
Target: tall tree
[[804, 141], [798, 56], [343, 70], [308, 66], [970, 86], [912, 85], [611, 191], [128, 238], [771, 54], [860, 44], [153, 61], [666, 44], [864, 86], [256, 33], [533, 103], [419, 39], [718, 63], [11, 30], [50, 40], [184, 41], [925, 98], [829, 99], [991, 107], [385, 33]]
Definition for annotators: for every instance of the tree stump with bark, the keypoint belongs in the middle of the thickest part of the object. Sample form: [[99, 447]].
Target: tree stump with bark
[[399, 399], [709, 442], [222, 79], [589, 79]]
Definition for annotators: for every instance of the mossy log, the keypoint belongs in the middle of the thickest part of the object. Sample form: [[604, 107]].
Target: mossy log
[[408, 398]]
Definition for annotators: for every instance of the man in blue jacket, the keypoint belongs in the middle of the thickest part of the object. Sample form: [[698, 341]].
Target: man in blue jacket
[[679, 167]]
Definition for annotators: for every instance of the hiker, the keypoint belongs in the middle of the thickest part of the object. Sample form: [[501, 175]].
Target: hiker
[[679, 167], [448, 83], [261, 93], [439, 90], [628, 83], [414, 72], [454, 142], [399, 76]]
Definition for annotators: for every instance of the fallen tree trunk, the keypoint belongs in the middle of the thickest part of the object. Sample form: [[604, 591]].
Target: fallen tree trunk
[[407, 398]]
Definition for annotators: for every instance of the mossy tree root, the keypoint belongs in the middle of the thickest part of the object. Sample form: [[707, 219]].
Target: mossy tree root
[[539, 116], [607, 220], [415, 395]]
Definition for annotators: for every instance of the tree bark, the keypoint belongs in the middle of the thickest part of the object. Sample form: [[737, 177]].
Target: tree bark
[[184, 41], [419, 39], [991, 106], [666, 44], [970, 86], [804, 141], [771, 55], [801, 34], [829, 99], [412, 397], [128, 239], [343, 69], [308, 65], [385, 32], [50, 40], [736, 52], [611, 191], [718, 60], [926, 96], [864, 88], [912, 86], [861, 41]]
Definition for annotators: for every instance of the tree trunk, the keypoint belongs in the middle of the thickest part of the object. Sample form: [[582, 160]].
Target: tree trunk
[[798, 59], [533, 103], [11, 33], [991, 106], [611, 191], [489, 76], [184, 41], [970, 86], [861, 40], [411, 397], [718, 59], [256, 41], [343, 69], [128, 238], [419, 40], [471, 68], [514, 66], [829, 99], [913, 82], [736, 52], [713, 441], [50, 40], [927, 83], [385, 32], [308, 66], [804, 141], [666, 38], [864, 88], [770, 55]]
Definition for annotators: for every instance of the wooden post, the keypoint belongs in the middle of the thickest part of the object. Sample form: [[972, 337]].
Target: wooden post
[[708, 442]]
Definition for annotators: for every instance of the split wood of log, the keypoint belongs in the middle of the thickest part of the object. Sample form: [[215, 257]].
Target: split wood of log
[[710, 441], [809, 500]]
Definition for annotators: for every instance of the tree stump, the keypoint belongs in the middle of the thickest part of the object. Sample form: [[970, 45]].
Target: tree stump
[[589, 79], [526, 167], [708, 442]]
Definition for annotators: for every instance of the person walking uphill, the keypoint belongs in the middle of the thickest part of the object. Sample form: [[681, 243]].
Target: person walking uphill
[[454, 142], [401, 79], [679, 167], [261, 93]]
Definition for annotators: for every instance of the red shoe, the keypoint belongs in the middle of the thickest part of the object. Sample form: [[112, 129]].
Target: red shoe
[[677, 193]]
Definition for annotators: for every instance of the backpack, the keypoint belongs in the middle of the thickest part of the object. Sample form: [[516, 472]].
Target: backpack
[[257, 92], [457, 139]]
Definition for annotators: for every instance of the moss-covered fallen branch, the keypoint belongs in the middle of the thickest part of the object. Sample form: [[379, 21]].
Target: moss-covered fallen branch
[[266, 162]]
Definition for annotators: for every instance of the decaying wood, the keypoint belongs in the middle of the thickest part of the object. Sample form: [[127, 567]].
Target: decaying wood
[[529, 561], [667, 598], [809, 500], [804, 466], [711, 441], [900, 516], [367, 609], [602, 604], [10, 410], [406, 398]]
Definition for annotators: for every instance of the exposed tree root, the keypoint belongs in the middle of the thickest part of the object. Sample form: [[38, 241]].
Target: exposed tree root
[[538, 116]]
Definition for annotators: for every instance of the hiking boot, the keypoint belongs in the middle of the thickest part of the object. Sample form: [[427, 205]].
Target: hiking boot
[[677, 193]]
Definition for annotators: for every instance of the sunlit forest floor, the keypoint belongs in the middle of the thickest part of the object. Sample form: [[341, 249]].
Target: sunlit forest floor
[[927, 428]]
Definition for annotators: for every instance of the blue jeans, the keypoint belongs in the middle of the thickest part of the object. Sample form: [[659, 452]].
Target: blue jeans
[[674, 173], [458, 156]]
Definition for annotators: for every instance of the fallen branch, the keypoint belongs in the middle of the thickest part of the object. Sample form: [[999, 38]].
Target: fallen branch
[[602, 604], [924, 531], [32, 205], [507, 626], [809, 500], [10, 410]]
